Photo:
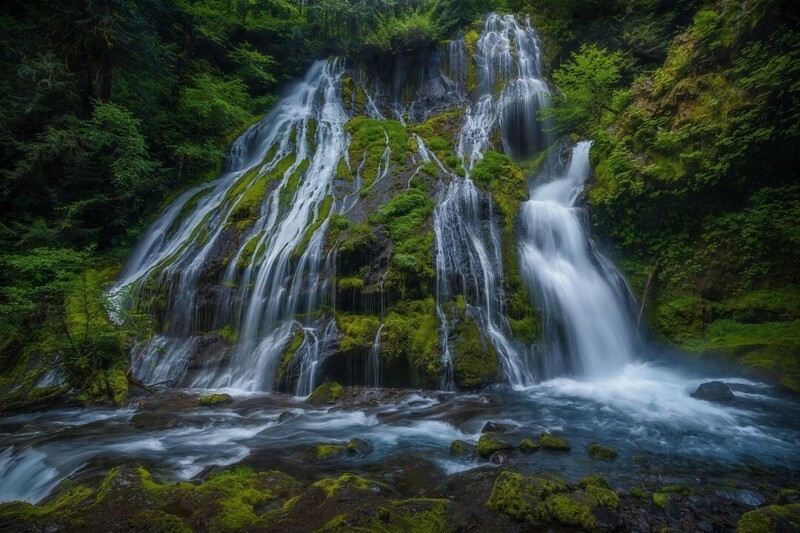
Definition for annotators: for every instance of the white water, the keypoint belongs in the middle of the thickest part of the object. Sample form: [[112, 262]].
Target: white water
[[588, 326], [509, 93], [269, 294]]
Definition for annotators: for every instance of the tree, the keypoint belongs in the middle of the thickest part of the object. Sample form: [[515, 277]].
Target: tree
[[587, 86]]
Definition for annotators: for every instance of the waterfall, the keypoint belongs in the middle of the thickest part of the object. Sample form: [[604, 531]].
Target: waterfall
[[279, 177], [508, 95], [244, 257], [510, 92], [588, 325]]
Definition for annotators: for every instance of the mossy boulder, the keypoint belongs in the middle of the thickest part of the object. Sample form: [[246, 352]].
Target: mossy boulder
[[786, 496], [325, 394], [327, 451], [490, 443], [774, 518], [359, 447], [601, 452], [528, 445], [662, 499], [640, 493], [594, 480], [215, 400], [522, 497], [553, 443], [460, 447]]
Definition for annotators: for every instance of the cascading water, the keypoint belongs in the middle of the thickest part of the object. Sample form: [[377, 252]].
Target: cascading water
[[509, 94], [280, 173], [588, 323]]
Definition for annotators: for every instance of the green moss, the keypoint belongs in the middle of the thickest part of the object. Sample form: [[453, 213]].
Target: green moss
[[328, 392], [550, 442], [459, 447], [573, 510], [213, 400], [773, 518], [289, 353], [475, 360], [370, 137], [358, 332], [350, 284], [321, 452], [788, 496], [522, 497], [640, 493], [604, 497], [411, 333], [117, 378], [347, 481], [471, 40], [601, 452], [528, 445], [662, 499], [489, 443], [159, 521], [499, 175], [187, 209], [595, 480]]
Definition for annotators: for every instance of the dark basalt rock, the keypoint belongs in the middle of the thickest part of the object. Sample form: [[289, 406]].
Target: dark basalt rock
[[284, 416], [494, 427], [714, 391]]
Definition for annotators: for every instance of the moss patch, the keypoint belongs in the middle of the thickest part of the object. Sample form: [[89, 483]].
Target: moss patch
[[601, 452], [214, 400], [327, 393], [552, 443]]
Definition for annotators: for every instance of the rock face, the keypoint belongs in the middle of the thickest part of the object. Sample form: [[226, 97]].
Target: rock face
[[714, 391]]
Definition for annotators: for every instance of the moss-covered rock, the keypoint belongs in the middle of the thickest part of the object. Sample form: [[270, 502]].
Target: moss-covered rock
[[214, 400], [325, 394], [553, 443], [594, 480], [773, 518], [601, 452], [490, 443], [325, 451], [662, 499], [528, 445], [522, 497], [460, 447], [787, 496], [475, 361], [640, 493], [574, 509]]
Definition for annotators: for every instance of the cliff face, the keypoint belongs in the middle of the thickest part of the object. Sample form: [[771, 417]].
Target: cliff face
[[695, 184]]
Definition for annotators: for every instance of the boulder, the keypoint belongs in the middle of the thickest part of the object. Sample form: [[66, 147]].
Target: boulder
[[714, 391]]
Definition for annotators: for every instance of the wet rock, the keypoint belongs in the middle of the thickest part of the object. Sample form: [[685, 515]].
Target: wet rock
[[787, 496], [528, 445], [774, 518], [606, 518], [286, 415], [359, 447], [489, 443], [500, 458], [552, 443], [743, 497], [325, 394], [493, 427], [640, 493], [326, 451], [523, 497], [154, 421], [460, 447], [714, 391], [214, 400], [601, 453]]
